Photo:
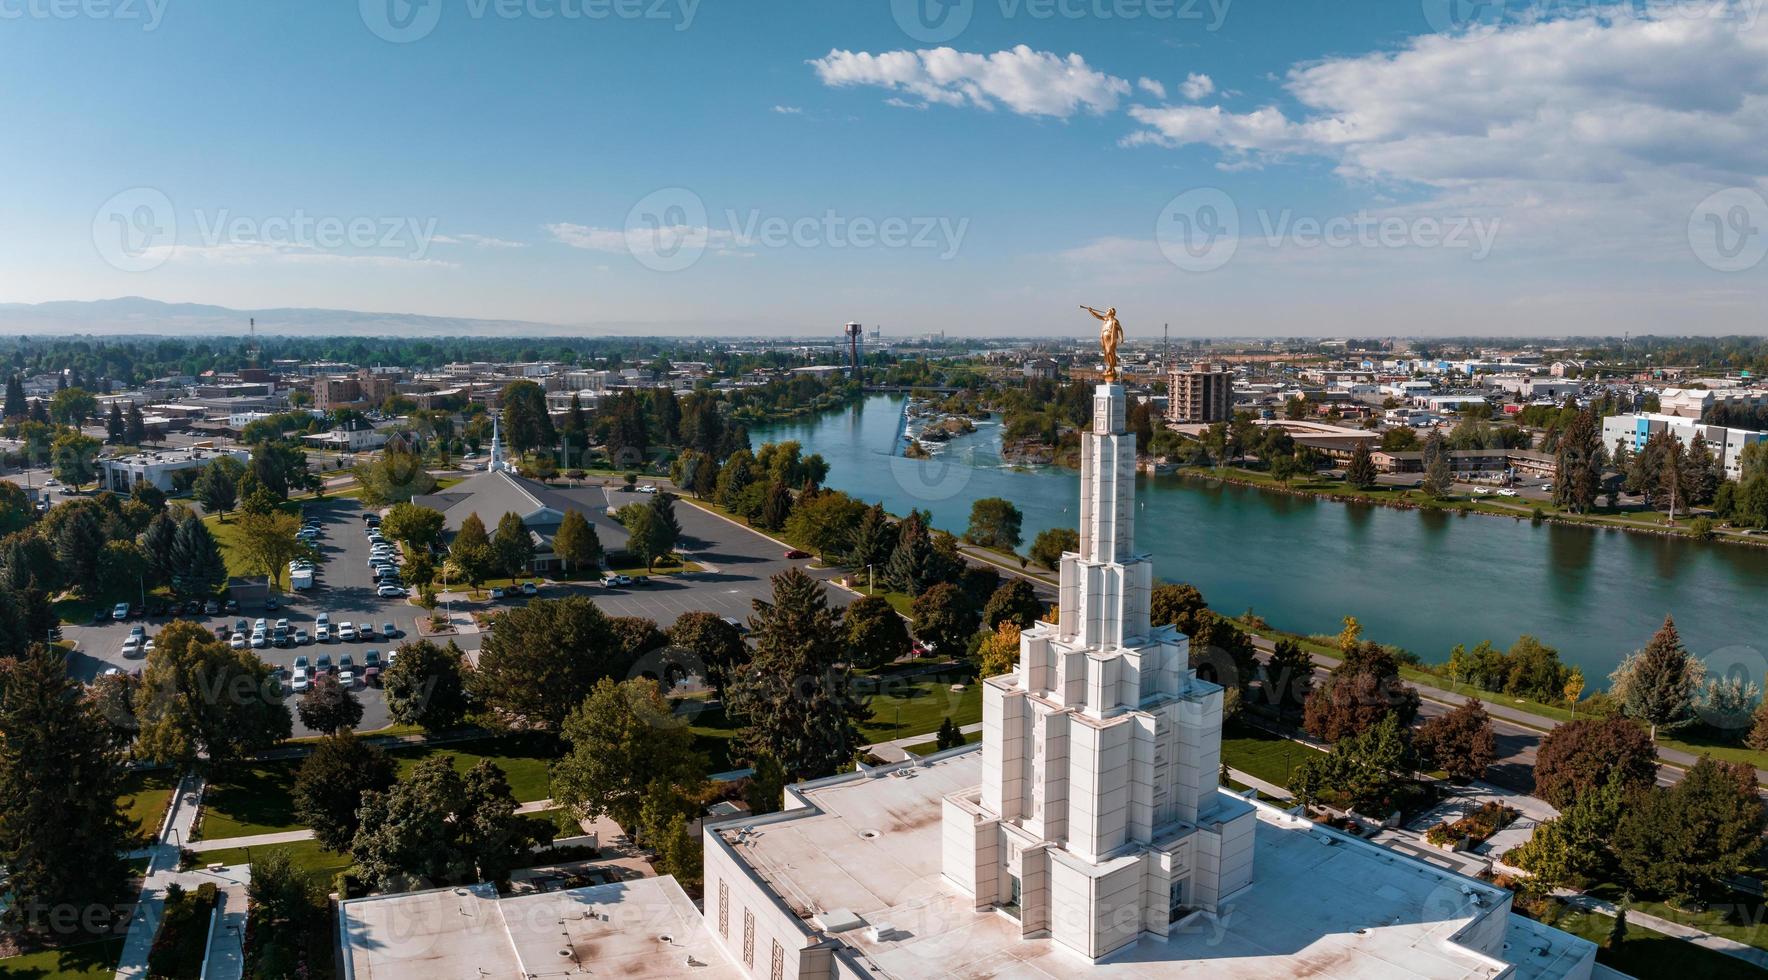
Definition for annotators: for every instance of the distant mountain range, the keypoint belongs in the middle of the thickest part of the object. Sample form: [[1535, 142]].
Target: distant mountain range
[[137, 315]]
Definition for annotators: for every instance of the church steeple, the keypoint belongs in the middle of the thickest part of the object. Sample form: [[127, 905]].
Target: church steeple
[[497, 461]]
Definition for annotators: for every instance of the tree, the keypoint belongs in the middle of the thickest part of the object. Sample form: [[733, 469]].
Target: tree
[[134, 426], [1617, 932], [1581, 459], [328, 706], [1288, 676], [1048, 546], [647, 537], [512, 547], [413, 525], [217, 487], [1360, 471], [16, 405], [79, 544], [331, 783], [776, 506], [281, 467], [15, 508], [1361, 771], [199, 697], [60, 775], [624, 739], [715, 644], [1575, 846], [678, 852], [1364, 689], [1399, 440], [544, 659], [72, 407], [426, 686], [1177, 604], [875, 634], [1437, 478], [994, 523], [945, 619], [1658, 685], [1578, 756], [396, 476], [436, 827], [1691, 838], [198, 570], [526, 423], [767, 786], [795, 698], [470, 552], [948, 737], [280, 895], [114, 427], [1460, 742], [915, 564], [267, 542], [999, 651], [576, 542], [1016, 602], [73, 457]]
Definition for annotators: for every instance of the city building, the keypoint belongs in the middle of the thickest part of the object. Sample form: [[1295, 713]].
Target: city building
[[1693, 403], [121, 474], [359, 390], [1725, 443], [1200, 392], [499, 491]]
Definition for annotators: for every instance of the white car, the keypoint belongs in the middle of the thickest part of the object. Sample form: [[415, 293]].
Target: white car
[[1507, 492], [259, 640], [389, 591], [237, 641], [1482, 491], [120, 611], [347, 632], [322, 633], [260, 625], [300, 682], [132, 648]]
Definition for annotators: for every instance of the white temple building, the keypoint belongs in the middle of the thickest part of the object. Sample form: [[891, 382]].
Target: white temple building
[[1085, 837]]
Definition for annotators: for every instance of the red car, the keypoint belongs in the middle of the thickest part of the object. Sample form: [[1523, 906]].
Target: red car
[[795, 553]]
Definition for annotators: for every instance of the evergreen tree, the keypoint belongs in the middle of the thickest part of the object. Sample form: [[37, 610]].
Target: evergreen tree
[[1580, 463], [914, 564], [576, 543], [198, 569], [796, 699], [663, 502], [79, 544], [948, 735], [872, 540], [526, 423], [1703, 474], [16, 406], [134, 427], [60, 775], [1360, 471], [470, 553], [647, 536], [1437, 478], [1658, 685], [1288, 676], [1688, 840], [776, 506], [512, 546], [876, 634], [114, 428], [1617, 931], [217, 487]]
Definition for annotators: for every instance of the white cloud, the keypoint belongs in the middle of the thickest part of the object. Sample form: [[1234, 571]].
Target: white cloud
[[1027, 82], [588, 237], [1152, 87], [482, 241], [789, 110], [245, 253], [646, 241], [1196, 86]]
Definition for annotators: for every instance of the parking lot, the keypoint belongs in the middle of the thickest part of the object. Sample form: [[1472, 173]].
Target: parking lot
[[737, 565]]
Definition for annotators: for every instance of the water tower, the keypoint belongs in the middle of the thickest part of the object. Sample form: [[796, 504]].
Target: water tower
[[856, 336]]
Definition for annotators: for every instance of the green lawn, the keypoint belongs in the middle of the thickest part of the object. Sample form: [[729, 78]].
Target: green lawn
[[1738, 917], [1259, 753], [524, 761], [89, 961], [146, 793], [320, 864], [915, 705], [1651, 955], [248, 799]]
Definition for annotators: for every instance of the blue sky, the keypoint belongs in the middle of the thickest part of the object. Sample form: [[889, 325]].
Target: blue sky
[[1344, 167]]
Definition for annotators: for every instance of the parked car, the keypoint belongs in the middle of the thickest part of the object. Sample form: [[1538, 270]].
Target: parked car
[[496, 593], [137, 609], [323, 619], [347, 632], [237, 641], [300, 682], [241, 626], [211, 608], [530, 588], [132, 648], [272, 604], [301, 662], [1482, 491], [391, 631], [120, 611], [259, 640], [365, 632], [282, 626], [795, 554], [302, 638], [323, 665], [322, 632], [1507, 492], [346, 671], [390, 591], [261, 625], [616, 580], [230, 607]]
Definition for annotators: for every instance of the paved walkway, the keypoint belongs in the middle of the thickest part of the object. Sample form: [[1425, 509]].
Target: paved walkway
[[162, 870], [296, 836], [1719, 944]]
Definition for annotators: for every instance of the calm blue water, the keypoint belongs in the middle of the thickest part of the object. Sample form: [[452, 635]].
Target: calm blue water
[[1425, 581]]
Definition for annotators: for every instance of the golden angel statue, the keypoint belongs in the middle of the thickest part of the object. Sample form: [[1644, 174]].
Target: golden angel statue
[[1110, 335]]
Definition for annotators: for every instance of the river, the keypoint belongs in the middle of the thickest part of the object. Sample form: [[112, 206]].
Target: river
[[1423, 580]]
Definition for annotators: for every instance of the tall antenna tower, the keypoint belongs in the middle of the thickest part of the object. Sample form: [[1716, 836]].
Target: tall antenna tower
[[252, 340]]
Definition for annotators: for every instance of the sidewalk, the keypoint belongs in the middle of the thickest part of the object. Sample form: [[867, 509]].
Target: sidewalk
[[1719, 944], [162, 870], [296, 836]]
